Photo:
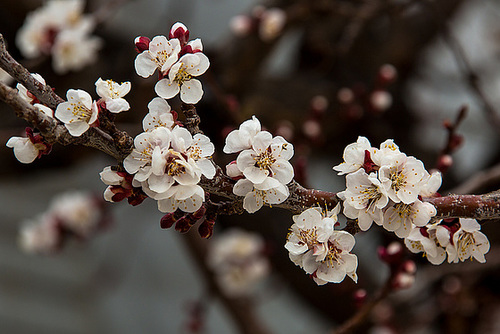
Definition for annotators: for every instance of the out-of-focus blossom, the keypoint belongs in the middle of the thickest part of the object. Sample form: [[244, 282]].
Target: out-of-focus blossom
[[238, 262]]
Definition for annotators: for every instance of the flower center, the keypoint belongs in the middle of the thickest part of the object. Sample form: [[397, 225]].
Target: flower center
[[333, 257], [398, 180], [161, 58], [182, 75], [80, 111], [174, 168], [309, 237], [403, 210], [264, 160]]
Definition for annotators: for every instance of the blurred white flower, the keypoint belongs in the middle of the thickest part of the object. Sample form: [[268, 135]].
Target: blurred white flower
[[40, 235], [237, 260]]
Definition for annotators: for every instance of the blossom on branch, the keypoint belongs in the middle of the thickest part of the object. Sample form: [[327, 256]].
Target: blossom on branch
[[319, 249], [160, 115], [161, 54], [467, 242], [180, 78], [263, 162], [27, 149], [79, 113], [112, 94]]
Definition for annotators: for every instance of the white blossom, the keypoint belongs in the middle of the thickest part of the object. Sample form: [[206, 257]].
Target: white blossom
[[112, 93], [311, 229], [354, 156], [272, 22], [401, 176], [268, 157], [270, 192], [78, 113], [365, 197], [425, 239], [180, 78], [188, 198], [161, 55], [159, 115], [336, 262], [23, 92], [36, 36], [242, 139], [24, 149], [430, 184], [148, 155], [401, 217], [468, 242]]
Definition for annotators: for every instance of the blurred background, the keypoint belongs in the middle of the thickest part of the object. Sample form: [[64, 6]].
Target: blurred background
[[320, 73]]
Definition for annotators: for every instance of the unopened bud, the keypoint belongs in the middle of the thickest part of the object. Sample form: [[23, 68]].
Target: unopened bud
[[233, 171], [381, 100], [167, 221], [141, 43], [199, 213], [444, 163], [391, 254], [360, 296], [345, 95], [319, 103], [271, 25], [206, 228], [403, 281], [241, 25], [387, 73], [179, 31], [184, 224]]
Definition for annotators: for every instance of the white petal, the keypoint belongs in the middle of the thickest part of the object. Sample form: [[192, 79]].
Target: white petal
[[166, 88], [191, 91]]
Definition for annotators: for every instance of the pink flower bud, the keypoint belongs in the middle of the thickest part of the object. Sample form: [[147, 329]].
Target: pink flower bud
[[345, 95], [319, 104], [179, 31], [391, 254], [206, 229], [233, 171], [380, 100], [387, 74], [241, 25], [168, 220], [272, 22], [141, 43], [444, 163]]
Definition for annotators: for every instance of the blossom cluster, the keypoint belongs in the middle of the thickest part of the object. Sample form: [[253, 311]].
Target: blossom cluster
[[80, 111], [167, 162], [177, 60], [262, 167], [319, 249], [384, 186], [61, 30], [460, 239], [238, 261], [73, 214]]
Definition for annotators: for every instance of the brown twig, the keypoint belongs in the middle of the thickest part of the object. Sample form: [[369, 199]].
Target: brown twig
[[43, 93]]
